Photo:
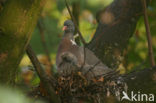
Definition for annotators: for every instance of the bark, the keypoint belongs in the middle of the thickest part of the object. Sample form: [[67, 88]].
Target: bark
[[116, 25], [17, 21], [45, 79]]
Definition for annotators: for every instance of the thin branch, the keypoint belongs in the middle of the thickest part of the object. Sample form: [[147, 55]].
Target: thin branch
[[84, 51], [42, 35], [148, 34], [76, 13], [42, 75], [84, 58], [90, 69], [73, 19]]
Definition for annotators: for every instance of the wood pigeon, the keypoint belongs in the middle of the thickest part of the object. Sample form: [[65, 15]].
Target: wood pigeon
[[70, 54]]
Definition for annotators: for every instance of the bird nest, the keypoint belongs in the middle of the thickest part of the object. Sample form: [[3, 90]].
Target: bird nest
[[76, 86]]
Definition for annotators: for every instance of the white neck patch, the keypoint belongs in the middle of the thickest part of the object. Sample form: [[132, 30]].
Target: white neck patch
[[73, 42]]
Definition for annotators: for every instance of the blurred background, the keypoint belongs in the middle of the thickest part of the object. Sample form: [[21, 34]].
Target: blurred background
[[48, 33]]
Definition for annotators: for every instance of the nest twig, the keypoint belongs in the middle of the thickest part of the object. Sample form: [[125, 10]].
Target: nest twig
[[76, 86]]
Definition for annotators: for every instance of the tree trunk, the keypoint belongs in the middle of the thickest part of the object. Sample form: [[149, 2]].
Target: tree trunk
[[17, 21], [116, 25]]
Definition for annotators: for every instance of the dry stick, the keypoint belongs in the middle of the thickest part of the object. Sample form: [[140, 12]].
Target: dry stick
[[42, 75], [91, 68], [73, 19], [148, 34], [84, 58], [76, 12]]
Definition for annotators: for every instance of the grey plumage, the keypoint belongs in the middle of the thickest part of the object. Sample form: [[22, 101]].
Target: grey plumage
[[70, 55]]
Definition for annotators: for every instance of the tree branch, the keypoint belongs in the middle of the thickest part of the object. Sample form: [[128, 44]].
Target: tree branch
[[148, 34], [73, 19], [76, 13], [43, 76], [116, 25]]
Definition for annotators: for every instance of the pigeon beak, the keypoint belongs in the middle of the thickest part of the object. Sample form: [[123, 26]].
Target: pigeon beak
[[64, 28]]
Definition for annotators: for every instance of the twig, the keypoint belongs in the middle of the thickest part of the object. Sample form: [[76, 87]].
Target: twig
[[76, 12], [42, 35], [84, 58], [92, 67], [148, 34], [35, 62], [73, 19], [109, 75], [42, 75]]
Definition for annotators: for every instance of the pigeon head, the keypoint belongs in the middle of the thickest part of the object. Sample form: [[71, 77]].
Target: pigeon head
[[68, 26]]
